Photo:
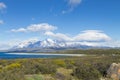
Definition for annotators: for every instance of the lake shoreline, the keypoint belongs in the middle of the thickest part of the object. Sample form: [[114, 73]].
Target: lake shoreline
[[47, 54], [36, 55]]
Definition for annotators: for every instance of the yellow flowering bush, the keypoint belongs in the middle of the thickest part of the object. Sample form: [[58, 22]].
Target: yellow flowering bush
[[13, 66], [60, 63]]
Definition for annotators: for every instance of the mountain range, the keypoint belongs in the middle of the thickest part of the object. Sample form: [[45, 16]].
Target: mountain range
[[50, 45]]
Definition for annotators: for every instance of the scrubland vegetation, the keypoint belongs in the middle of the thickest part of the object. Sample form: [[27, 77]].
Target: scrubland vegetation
[[68, 68]]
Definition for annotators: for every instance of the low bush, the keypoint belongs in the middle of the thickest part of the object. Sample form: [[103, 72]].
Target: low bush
[[59, 62], [12, 72], [86, 72], [35, 77], [102, 68], [69, 64], [47, 69]]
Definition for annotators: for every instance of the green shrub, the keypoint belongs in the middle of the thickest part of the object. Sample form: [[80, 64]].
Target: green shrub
[[102, 68], [35, 67], [86, 72], [47, 68], [13, 66], [35, 77], [11, 75], [60, 63], [29, 67], [69, 64]]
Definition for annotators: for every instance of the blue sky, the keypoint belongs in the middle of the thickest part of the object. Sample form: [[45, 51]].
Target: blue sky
[[60, 18]]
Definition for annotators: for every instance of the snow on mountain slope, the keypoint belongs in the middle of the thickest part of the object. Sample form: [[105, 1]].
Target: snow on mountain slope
[[49, 43]]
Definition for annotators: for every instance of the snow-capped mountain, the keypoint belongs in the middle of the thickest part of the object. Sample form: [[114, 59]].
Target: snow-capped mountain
[[49, 43]]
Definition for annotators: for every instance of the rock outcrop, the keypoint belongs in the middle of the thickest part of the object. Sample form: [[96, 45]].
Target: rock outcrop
[[114, 71]]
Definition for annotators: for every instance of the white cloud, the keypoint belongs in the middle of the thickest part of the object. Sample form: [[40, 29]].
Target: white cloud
[[9, 44], [112, 43], [88, 35], [2, 6], [13, 42], [72, 4], [58, 36], [36, 28], [4, 46], [34, 39], [19, 30], [1, 22], [92, 35]]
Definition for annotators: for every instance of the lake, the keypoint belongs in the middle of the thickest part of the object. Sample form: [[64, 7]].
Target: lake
[[34, 55]]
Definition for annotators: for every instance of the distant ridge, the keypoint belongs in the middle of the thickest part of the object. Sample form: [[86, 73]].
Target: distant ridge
[[49, 45]]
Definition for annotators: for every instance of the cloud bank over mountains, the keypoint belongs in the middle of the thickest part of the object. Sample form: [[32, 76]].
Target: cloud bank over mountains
[[86, 37], [48, 30]]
